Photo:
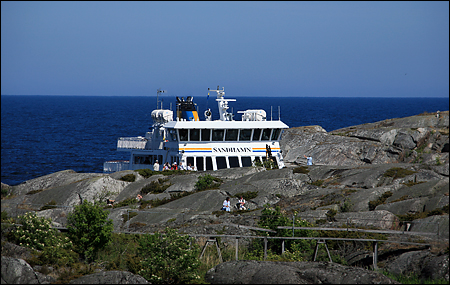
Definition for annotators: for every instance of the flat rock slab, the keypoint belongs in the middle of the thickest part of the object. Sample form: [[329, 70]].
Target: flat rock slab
[[268, 272]]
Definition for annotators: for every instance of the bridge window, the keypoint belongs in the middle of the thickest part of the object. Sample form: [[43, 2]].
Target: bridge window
[[217, 135], [183, 134], [266, 134], [231, 135], [194, 135], [245, 135], [206, 135], [173, 135], [275, 134], [256, 134]]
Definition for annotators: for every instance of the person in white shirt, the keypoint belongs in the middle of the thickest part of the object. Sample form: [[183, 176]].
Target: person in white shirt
[[226, 205], [181, 166], [156, 166]]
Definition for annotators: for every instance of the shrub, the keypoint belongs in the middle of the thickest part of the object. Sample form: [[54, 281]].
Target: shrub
[[168, 258], [89, 229], [128, 178], [207, 182]]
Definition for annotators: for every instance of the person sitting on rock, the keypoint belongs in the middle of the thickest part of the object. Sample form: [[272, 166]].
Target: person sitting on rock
[[226, 205], [241, 204]]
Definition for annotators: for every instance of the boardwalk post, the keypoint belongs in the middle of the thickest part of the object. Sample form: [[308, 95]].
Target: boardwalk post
[[282, 247], [237, 249], [293, 225], [265, 248], [375, 255]]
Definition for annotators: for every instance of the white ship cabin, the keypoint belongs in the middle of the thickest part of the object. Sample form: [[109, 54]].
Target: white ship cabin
[[203, 144]]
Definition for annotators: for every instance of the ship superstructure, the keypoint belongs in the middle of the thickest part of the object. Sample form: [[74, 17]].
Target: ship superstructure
[[203, 144]]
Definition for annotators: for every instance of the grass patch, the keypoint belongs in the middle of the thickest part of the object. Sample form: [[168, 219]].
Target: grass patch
[[155, 187], [301, 169], [49, 205], [317, 183], [247, 195], [398, 172], [128, 216], [412, 183], [34, 191], [422, 215], [379, 201], [207, 182], [128, 178], [125, 202]]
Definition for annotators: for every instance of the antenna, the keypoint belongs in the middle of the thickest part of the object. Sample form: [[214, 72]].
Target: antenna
[[279, 114], [157, 96], [271, 113]]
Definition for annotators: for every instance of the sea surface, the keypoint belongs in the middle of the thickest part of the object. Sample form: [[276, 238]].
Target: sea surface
[[44, 134]]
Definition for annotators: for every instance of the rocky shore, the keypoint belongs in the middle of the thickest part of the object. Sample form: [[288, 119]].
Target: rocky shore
[[404, 160]]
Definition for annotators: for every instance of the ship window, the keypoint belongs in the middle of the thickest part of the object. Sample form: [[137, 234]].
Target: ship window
[[206, 135], [275, 134], [231, 135], [246, 161], [194, 135], [221, 162], [266, 134], [199, 163], [209, 165], [245, 135], [217, 135], [173, 135], [256, 134], [234, 161], [183, 135]]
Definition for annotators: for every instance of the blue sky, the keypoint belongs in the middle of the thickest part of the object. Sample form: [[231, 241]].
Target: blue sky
[[302, 49]]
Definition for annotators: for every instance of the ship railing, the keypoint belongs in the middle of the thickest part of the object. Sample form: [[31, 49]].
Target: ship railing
[[132, 143], [115, 165]]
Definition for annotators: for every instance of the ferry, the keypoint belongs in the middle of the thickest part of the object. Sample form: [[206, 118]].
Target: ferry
[[203, 144]]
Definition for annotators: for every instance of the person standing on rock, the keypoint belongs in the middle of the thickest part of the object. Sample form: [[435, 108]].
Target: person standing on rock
[[308, 160], [156, 166]]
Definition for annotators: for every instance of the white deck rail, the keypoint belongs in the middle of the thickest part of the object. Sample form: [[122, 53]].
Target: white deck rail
[[132, 143]]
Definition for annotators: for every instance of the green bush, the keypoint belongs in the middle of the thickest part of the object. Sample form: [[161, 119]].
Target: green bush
[[128, 178], [169, 258], [37, 233], [207, 182], [89, 229]]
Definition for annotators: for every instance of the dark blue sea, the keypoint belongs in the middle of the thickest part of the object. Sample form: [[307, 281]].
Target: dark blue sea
[[45, 134]]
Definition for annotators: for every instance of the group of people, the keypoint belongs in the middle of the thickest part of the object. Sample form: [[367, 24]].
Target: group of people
[[240, 205], [174, 166]]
